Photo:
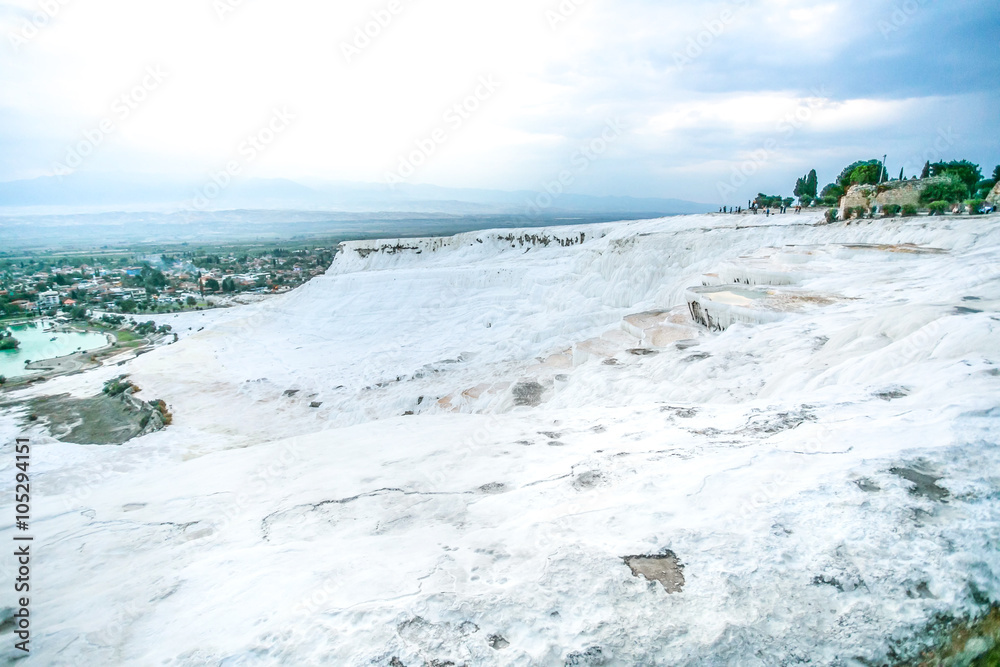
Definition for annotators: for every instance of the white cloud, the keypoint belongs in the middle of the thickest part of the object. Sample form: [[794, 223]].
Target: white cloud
[[354, 119]]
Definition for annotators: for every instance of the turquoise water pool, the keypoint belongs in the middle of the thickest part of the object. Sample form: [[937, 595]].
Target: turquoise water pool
[[37, 344]]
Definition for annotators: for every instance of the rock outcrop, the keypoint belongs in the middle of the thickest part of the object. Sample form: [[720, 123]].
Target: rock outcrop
[[994, 196], [899, 193], [103, 419]]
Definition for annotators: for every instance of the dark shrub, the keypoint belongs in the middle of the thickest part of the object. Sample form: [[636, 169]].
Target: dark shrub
[[832, 192], [974, 206], [952, 190], [966, 172], [117, 386], [867, 172], [938, 207]]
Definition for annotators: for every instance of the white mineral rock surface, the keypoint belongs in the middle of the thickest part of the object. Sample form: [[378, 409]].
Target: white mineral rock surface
[[502, 417]]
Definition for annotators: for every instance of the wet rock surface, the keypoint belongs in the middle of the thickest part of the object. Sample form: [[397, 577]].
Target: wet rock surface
[[588, 480], [590, 657], [528, 394], [98, 420], [924, 484], [681, 412], [868, 485], [664, 568], [493, 488], [769, 424], [892, 393]]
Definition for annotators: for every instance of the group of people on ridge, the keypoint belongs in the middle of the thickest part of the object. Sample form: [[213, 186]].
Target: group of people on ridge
[[752, 207]]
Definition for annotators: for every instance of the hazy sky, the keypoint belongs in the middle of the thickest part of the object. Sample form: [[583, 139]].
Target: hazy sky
[[695, 100]]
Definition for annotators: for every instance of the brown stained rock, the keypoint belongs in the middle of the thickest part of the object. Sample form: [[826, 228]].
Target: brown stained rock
[[665, 568]]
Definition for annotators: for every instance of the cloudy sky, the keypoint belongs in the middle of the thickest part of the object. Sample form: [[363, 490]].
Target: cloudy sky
[[707, 101]]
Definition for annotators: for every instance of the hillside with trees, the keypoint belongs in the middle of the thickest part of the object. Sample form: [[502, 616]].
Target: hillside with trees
[[954, 183]]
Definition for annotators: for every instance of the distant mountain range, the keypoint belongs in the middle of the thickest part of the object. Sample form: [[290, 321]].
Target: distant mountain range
[[95, 193]]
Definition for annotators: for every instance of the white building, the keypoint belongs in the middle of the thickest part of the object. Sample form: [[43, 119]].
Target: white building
[[48, 299]]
